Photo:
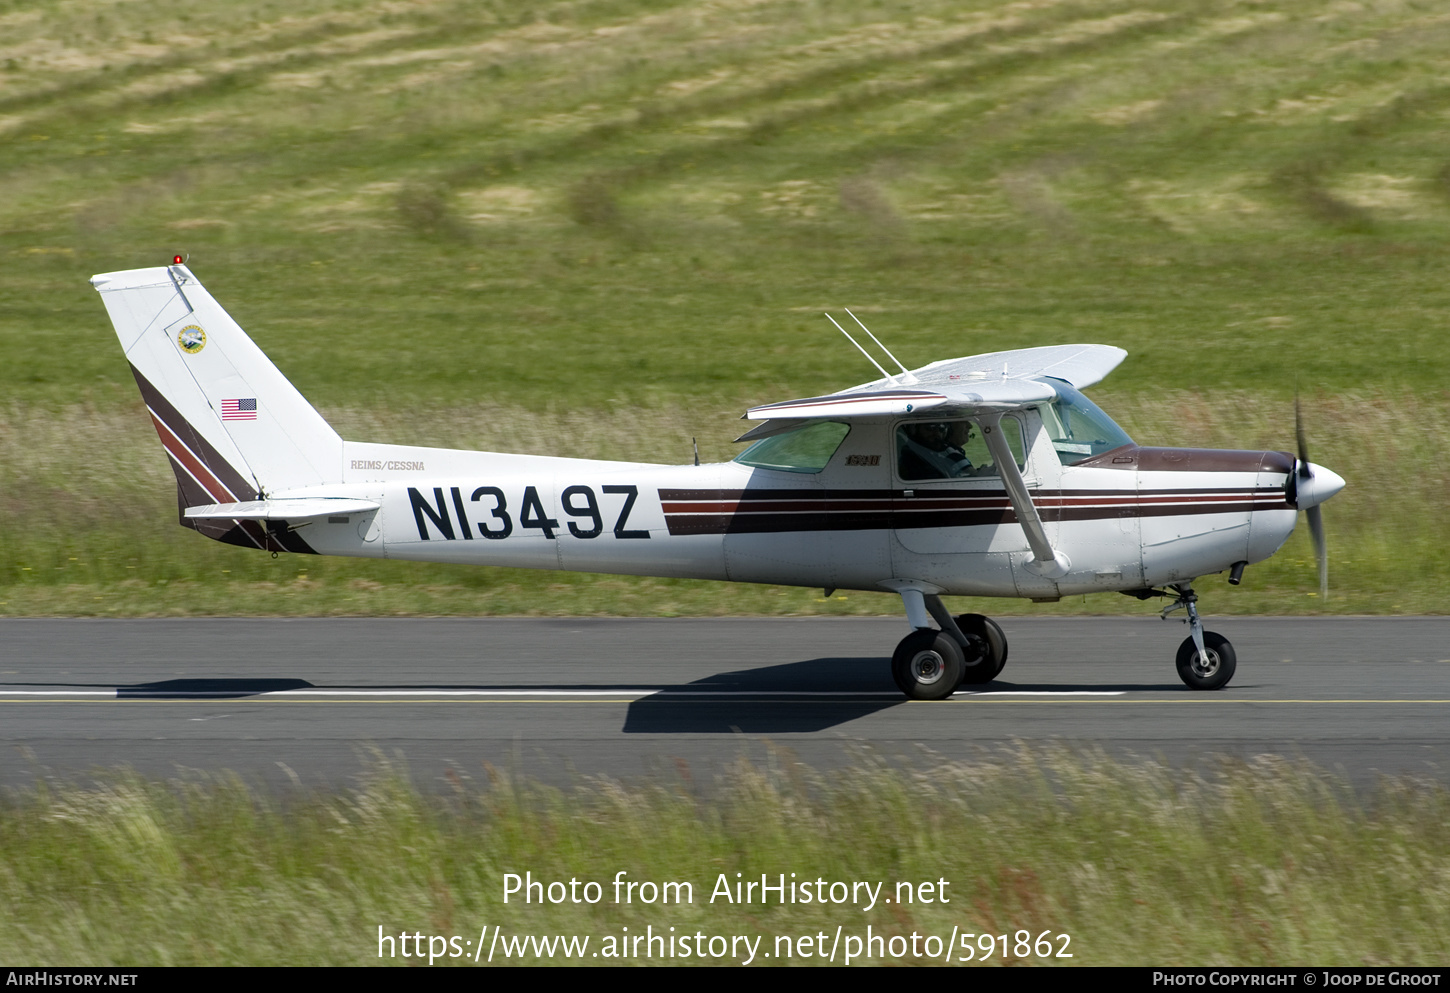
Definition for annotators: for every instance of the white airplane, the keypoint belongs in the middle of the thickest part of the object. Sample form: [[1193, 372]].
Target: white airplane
[[988, 476]]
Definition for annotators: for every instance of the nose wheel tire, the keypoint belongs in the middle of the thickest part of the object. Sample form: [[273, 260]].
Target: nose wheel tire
[[927, 665], [1213, 669], [986, 651]]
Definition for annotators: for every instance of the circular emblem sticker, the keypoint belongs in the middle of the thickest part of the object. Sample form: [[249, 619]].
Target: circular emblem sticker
[[192, 339]]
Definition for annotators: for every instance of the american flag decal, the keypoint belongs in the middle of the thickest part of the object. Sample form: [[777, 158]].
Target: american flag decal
[[241, 409]]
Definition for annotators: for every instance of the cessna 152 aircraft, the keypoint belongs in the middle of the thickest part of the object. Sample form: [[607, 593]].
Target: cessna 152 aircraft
[[988, 476]]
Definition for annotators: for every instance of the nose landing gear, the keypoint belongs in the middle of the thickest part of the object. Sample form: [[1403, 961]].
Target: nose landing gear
[[1206, 660]]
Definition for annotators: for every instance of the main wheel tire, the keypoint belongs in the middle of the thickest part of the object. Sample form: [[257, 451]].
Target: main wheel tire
[[927, 665], [986, 651], [1211, 672]]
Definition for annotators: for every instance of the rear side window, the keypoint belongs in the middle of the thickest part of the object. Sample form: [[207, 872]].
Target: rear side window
[[807, 448]]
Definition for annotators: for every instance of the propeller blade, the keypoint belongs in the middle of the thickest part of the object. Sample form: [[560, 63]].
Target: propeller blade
[[1321, 548], [1304, 471], [1316, 518]]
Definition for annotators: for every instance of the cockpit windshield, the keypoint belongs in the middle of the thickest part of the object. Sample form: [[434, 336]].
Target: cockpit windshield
[[1079, 428]]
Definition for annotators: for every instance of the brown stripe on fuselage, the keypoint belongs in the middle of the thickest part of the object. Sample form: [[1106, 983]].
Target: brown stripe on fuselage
[[767, 510], [926, 514], [779, 493], [779, 506], [745, 501]]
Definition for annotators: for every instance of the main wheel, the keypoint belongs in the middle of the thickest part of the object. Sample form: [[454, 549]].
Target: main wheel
[[986, 651], [1213, 669], [927, 665]]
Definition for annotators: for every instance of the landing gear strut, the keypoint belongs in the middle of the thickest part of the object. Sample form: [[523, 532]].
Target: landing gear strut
[[1206, 660], [929, 664]]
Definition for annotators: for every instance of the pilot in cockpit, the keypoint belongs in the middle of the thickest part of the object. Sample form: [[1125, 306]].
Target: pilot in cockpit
[[934, 450]]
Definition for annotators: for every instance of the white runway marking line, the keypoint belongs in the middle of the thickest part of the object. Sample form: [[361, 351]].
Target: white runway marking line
[[1040, 693], [615, 694], [637, 694], [629, 696]]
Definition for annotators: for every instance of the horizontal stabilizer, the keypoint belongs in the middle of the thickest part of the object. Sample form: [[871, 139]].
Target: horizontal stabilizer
[[281, 510]]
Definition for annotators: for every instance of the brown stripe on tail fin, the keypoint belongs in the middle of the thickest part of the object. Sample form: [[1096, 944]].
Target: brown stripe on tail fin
[[204, 476]]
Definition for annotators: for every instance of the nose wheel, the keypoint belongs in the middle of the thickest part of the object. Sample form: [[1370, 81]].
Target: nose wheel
[[1208, 669], [1206, 660]]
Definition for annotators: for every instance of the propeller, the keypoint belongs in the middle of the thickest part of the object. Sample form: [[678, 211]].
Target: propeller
[[1305, 485]]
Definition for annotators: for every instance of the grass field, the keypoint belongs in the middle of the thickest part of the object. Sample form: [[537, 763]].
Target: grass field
[[607, 227], [1268, 863]]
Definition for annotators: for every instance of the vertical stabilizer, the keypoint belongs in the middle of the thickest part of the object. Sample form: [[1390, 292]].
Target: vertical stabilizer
[[234, 427]]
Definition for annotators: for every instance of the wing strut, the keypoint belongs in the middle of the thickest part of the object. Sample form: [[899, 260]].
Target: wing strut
[[1047, 562]]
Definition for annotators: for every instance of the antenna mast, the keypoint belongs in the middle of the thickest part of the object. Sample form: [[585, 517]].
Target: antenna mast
[[906, 376], [889, 378]]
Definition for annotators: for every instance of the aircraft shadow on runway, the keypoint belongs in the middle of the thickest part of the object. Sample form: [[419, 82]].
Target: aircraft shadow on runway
[[745, 701], [686, 710], [219, 688], [180, 689]]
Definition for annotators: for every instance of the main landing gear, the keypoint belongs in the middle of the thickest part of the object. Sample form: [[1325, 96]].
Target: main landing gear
[[1206, 659], [930, 664]]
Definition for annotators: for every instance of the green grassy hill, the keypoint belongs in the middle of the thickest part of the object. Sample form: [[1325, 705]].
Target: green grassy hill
[[603, 228]]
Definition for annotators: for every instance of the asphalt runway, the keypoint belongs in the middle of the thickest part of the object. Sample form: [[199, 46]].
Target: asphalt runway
[[313, 701]]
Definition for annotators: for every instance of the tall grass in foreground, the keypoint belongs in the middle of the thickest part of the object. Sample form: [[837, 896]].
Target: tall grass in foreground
[[1267, 862], [87, 515]]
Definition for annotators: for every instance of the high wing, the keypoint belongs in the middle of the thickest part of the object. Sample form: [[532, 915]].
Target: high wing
[[976, 384], [883, 399], [983, 386], [1078, 365]]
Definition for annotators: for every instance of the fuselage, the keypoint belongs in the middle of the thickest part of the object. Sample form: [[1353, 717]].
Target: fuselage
[[986, 475], [1127, 518]]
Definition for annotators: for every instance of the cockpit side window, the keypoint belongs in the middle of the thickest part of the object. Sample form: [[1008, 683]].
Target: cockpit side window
[[1079, 428], [807, 448], [951, 449]]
